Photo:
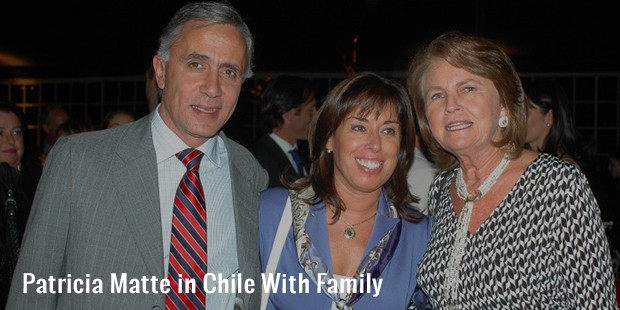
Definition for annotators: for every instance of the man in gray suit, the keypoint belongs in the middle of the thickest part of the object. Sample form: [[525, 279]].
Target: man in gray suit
[[98, 236]]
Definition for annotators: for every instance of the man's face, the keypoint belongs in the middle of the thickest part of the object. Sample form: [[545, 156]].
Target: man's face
[[202, 80], [301, 118], [11, 139], [56, 118]]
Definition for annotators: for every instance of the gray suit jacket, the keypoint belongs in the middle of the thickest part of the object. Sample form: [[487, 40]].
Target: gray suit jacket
[[97, 213]]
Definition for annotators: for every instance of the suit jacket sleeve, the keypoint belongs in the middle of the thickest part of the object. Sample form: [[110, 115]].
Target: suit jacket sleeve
[[43, 246]]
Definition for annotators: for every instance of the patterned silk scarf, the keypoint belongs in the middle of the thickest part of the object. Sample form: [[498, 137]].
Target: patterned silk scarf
[[309, 259]]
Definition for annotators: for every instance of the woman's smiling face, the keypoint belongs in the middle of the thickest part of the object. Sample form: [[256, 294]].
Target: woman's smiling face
[[365, 150]]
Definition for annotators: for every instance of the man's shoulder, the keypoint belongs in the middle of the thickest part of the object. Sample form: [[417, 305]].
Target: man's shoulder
[[245, 163], [102, 141], [239, 154], [92, 140], [237, 150]]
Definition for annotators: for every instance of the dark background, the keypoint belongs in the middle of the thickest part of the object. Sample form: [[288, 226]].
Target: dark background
[[116, 37]]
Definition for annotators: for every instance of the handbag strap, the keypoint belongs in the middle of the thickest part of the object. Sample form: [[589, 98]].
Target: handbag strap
[[278, 244], [13, 235]]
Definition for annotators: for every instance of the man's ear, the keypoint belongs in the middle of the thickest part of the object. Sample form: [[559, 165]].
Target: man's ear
[[287, 117], [160, 71]]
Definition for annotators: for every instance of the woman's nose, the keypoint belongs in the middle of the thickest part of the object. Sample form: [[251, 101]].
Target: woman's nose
[[452, 104], [374, 142]]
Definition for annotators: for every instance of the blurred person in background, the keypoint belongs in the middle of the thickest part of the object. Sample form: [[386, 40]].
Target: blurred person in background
[[19, 176], [550, 126], [551, 129], [71, 127], [116, 118], [53, 116], [288, 105], [611, 212]]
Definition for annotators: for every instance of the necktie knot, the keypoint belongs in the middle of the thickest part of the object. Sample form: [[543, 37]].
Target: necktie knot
[[190, 158]]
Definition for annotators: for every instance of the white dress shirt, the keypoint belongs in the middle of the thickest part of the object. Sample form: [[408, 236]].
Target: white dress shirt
[[286, 147], [215, 178]]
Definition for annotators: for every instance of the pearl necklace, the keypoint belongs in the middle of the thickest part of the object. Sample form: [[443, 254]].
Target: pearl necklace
[[350, 232], [460, 235]]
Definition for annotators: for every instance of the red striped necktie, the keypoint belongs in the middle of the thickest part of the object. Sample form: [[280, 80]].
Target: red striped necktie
[[188, 241]]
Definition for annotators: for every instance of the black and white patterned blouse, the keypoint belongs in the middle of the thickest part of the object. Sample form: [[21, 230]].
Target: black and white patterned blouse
[[543, 247]]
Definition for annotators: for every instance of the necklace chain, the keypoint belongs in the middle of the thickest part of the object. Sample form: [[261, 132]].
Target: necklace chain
[[350, 232], [460, 234]]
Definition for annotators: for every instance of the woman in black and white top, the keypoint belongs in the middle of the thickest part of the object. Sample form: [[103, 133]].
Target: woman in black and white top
[[514, 229]]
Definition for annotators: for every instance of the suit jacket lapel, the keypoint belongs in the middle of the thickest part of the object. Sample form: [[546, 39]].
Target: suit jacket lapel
[[138, 192], [281, 156], [245, 207]]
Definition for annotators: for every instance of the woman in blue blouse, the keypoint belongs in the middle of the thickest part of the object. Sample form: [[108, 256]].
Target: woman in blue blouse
[[354, 240]]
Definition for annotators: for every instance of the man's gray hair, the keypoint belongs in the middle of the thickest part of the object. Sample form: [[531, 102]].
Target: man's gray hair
[[209, 13]]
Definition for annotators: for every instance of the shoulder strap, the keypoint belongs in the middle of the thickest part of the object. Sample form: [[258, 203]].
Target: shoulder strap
[[278, 243], [10, 202], [12, 231]]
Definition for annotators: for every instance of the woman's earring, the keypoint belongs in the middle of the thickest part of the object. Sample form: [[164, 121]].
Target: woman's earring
[[503, 121], [548, 125], [329, 151]]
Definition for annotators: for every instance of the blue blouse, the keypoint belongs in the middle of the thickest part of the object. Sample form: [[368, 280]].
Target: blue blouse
[[398, 278]]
